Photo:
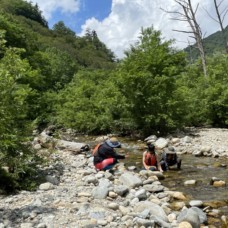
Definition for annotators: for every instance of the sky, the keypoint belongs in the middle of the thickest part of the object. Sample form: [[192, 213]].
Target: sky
[[118, 23]]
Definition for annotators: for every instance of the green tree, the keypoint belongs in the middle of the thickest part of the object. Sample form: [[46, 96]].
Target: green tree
[[91, 103], [147, 80], [25, 9], [14, 127], [205, 99], [61, 29]]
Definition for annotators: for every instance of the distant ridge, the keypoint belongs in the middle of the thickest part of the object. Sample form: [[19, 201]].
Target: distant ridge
[[212, 44]]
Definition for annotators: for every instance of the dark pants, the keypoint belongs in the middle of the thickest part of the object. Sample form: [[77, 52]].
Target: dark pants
[[165, 164]]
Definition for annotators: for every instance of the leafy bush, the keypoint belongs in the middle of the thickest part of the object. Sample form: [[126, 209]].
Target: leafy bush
[[91, 103], [206, 98], [14, 127]]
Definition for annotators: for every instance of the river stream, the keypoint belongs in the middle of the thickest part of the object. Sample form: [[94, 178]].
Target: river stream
[[201, 169]]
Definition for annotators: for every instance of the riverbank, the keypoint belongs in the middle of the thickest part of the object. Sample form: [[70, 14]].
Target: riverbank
[[75, 195]]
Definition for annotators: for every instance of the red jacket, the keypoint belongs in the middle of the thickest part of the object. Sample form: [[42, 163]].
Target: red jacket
[[150, 159]]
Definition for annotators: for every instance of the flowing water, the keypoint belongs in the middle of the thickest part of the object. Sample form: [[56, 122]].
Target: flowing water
[[201, 169]]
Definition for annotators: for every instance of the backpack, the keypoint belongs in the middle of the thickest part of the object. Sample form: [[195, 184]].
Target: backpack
[[96, 148]]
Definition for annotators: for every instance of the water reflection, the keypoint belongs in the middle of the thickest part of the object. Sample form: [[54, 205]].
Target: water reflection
[[201, 169]]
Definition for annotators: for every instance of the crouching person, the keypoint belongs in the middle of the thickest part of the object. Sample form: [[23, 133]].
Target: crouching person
[[170, 158], [150, 159], [105, 157]]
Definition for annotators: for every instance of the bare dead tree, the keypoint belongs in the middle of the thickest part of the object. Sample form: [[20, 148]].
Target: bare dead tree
[[221, 14], [188, 15]]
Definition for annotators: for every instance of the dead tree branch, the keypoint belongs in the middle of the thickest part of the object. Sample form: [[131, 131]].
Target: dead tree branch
[[189, 14]]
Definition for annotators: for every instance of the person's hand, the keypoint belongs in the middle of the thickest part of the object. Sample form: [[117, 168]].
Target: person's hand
[[127, 155]]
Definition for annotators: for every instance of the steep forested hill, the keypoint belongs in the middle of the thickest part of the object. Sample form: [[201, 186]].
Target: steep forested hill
[[212, 44], [26, 28]]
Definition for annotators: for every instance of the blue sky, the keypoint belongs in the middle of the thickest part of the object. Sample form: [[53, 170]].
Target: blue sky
[[99, 9], [118, 22]]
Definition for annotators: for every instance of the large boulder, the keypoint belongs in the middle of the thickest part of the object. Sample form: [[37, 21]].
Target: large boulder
[[130, 180], [155, 209]]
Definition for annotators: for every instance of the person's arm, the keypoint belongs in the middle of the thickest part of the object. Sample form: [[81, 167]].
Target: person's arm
[[113, 154], [159, 164], [119, 156]]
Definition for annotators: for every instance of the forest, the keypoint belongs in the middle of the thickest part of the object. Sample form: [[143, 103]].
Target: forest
[[54, 77]]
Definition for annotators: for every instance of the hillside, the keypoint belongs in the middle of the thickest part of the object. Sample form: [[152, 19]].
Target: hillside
[[213, 44], [26, 28]]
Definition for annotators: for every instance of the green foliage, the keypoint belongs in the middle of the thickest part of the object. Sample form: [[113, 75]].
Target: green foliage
[[56, 67], [212, 44], [90, 103], [217, 90], [147, 77], [16, 35], [14, 127], [55, 76], [24, 8], [61, 29], [206, 98]]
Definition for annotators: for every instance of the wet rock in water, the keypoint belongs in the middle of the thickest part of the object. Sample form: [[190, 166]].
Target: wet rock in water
[[217, 164], [215, 154], [213, 179], [196, 203], [177, 195], [197, 153], [219, 183], [190, 182], [206, 149]]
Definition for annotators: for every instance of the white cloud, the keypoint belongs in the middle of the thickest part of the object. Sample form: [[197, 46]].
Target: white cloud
[[122, 27], [48, 7]]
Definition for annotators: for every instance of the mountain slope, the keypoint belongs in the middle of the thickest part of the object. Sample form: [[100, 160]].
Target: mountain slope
[[212, 44]]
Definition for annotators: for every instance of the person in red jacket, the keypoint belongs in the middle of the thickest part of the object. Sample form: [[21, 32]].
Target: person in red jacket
[[150, 159], [105, 157]]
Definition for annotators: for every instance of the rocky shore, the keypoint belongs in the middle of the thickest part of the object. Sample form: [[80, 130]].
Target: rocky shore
[[76, 195]]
